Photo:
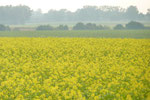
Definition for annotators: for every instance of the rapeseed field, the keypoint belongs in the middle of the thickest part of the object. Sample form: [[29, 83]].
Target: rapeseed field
[[74, 69]]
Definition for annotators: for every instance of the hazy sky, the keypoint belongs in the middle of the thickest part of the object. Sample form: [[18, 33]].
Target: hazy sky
[[72, 5]]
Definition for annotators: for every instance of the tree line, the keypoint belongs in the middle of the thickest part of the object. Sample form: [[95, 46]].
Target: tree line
[[22, 14], [89, 26], [133, 25], [91, 14]]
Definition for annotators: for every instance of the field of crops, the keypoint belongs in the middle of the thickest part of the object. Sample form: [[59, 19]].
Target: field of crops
[[74, 68], [80, 33]]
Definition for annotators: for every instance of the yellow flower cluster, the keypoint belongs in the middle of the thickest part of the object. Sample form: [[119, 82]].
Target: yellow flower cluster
[[74, 69]]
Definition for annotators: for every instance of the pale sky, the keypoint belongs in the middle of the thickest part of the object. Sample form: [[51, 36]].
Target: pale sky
[[72, 5]]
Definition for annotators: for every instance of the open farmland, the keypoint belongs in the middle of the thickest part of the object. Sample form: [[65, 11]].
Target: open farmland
[[74, 68], [84, 33]]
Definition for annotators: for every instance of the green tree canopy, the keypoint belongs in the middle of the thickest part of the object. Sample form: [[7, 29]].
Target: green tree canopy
[[134, 25]]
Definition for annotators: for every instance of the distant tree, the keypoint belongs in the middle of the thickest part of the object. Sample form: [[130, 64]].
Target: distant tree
[[58, 15], [148, 14], [79, 26], [111, 13], [100, 27], [134, 25], [62, 27], [14, 14], [148, 11], [132, 13], [141, 17], [119, 27], [91, 26], [87, 13], [4, 28], [23, 13], [44, 27], [37, 17]]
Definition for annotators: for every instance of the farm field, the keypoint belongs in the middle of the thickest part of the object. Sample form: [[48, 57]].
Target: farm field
[[74, 68], [84, 33]]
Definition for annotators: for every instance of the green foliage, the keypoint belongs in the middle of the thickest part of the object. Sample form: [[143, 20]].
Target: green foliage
[[119, 27], [89, 26], [79, 26], [62, 27], [44, 27], [134, 25], [4, 28]]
